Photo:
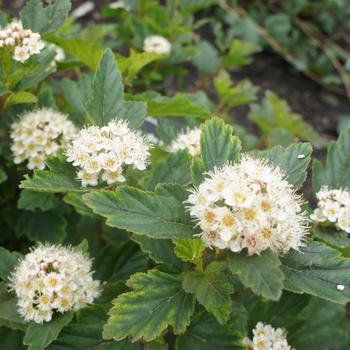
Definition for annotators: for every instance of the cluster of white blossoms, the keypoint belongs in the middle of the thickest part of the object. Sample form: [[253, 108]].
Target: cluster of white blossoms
[[248, 205], [38, 134], [333, 206], [102, 153], [265, 337], [157, 44], [53, 278], [23, 42], [189, 139]]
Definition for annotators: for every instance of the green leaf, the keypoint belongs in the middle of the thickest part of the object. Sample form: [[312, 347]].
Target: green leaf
[[85, 333], [178, 106], [276, 113], [207, 58], [205, 332], [46, 19], [59, 178], [218, 145], [30, 200], [11, 339], [119, 262], [86, 51], [41, 226], [159, 214], [75, 199], [325, 327], [176, 168], [294, 160], [159, 250], [189, 249], [107, 91], [332, 237], [3, 175], [260, 273], [39, 336], [318, 270], [20, 97], [166, 130], [156, 302], [9, 315], [336, 172], [234, 95], [212, 289], [8, 261], [107, 101], [240, 53]]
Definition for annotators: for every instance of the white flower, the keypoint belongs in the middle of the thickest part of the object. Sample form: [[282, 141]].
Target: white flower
[[22, 42], [21, 54], [103, 153], [189, 139], [37, 134], [157, 44], [53, 279], [265, 337], [119, 5], [248, 205], [333, 207]]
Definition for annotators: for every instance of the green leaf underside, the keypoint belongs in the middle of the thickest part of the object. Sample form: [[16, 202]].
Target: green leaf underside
[[205, 333], [318, 271], [159, 214], [294, 160], [39, 336], [260, 273], [156, 302], [212, 289], [30, 200]]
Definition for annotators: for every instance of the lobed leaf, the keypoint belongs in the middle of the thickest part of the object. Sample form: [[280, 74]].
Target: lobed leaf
[[159, 214], [156, 302], [260, 273]]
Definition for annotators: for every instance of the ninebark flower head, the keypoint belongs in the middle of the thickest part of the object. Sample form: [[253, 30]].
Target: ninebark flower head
[[248, 205], [38, 134], [53, 279]]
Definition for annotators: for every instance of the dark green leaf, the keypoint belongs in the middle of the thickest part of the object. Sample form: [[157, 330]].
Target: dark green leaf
[[294, 160], [39, 336], [30, 200], [205, 332], [176, 168], [156, 302], [159, 215], [8, 261], [260, 273], [46, 19], [318, 271], [43, 227], [212, 289]]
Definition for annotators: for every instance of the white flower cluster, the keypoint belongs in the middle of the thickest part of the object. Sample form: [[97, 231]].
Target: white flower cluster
[[53, 278], [189, 139], [23, 42], [248, 205], [101, 153], [157, 44], [38, 134], [265, 337], [333, 206]]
